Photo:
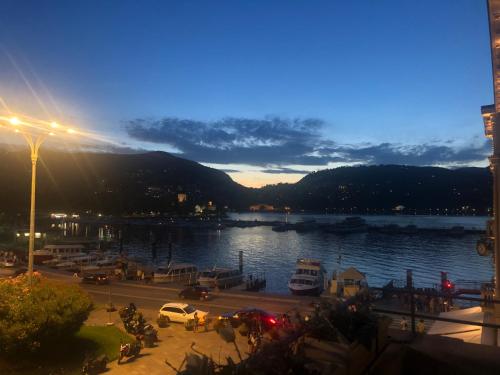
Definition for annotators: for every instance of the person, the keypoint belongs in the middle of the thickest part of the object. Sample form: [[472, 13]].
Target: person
[[404, 324], [252, 342], [196, 321], [420, 327]]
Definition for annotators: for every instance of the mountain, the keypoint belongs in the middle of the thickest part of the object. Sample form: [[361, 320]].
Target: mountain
[[114, 183], [126, 183], [371, 188]]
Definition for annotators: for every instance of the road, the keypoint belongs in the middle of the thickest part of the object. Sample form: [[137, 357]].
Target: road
[[152, 297]]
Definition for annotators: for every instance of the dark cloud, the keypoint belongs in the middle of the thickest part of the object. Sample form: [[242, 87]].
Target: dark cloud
[[276, 141], [426, 154], [285, 170], [230, 170]]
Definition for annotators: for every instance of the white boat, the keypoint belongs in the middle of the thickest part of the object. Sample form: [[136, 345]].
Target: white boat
[[176, 272], [64, 258], [106, 265], [220, 278], [65, 265], [309, 278], [51, 251]]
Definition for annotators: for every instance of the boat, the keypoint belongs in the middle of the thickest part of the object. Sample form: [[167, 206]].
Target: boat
[[66, 265], [63, 258], [220, 278], [353, 224], [309, 278], [176, 272], [51, 251], [107, 266]]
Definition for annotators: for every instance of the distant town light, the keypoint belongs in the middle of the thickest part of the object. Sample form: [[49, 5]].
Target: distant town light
[[58, 215]]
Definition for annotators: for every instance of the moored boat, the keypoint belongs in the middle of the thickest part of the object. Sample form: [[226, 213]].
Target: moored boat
[[309, 278], [220, 278], [176, 272], [52, 251]]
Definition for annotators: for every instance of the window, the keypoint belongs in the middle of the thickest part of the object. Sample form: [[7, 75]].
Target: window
[[189, 309]]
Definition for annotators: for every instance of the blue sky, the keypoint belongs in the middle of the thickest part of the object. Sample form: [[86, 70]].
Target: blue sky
[[266, 90]]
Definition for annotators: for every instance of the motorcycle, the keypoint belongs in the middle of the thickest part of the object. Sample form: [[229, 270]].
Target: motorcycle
[[93, 366], [129, 350]]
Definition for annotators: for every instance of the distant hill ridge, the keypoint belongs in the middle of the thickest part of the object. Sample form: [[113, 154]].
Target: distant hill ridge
[[124, 183]]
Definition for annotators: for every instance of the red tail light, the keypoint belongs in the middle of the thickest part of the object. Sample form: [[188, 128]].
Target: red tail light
[[272, 321]]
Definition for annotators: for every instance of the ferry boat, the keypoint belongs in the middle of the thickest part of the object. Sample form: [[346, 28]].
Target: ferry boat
[[51, 251], [220, 278], [176, 272], [309, 278]]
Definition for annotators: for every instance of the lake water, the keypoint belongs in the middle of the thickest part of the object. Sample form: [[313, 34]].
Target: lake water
[[381, 256]]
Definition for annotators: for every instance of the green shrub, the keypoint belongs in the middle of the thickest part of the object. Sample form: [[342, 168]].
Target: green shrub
[[32, 319]]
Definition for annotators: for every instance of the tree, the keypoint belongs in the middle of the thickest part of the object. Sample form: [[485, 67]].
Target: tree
[[34, 318]]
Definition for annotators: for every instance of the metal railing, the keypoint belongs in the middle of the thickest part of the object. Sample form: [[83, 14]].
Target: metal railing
[[488, 301]]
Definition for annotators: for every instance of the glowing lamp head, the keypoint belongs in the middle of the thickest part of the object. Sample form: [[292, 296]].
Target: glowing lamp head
[[71, 131], [54, 125], [14, 121]]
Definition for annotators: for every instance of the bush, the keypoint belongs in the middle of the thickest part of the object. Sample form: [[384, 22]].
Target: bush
[[32, 319]]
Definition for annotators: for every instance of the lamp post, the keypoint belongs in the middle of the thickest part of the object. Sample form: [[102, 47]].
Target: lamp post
[[35, 133]]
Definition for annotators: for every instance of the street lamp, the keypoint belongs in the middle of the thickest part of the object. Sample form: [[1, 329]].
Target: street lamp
[[35, 132]]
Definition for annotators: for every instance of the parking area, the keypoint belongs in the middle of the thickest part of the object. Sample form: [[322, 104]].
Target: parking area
[[174, 342]]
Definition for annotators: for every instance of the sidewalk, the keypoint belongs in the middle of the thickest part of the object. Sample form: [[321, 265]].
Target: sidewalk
[[174, 343]]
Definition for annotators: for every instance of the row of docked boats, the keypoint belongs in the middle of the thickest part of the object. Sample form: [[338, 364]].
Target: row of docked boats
[[216, 277], [356, 224], [77, 258], [309, 278]]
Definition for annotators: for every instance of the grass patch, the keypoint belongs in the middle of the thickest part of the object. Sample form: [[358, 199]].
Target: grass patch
[[67, 358], [103, 339]]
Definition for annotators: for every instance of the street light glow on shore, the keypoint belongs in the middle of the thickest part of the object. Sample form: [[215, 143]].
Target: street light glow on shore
[[35, 132]]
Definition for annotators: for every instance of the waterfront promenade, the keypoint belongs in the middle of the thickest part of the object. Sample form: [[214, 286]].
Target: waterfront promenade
[[175, 341]]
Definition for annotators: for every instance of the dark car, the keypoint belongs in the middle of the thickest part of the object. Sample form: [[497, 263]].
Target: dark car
[[251, 317], [195, 292], [95, 278]]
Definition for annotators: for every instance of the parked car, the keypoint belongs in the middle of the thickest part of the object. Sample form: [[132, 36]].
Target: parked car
[[195, 292], [95, 278], [250, 316], [181, 313]]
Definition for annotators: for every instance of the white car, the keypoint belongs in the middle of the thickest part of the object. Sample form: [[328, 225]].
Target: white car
[[181, 312]]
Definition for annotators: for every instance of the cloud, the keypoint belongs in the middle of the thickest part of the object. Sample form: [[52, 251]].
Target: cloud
[[426, 154], [285, 170], [274, 143]]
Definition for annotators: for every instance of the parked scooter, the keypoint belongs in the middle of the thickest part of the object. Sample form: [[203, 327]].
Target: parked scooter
[[130, 350]]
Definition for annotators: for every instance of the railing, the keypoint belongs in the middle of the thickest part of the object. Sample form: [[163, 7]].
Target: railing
[[487, 301]]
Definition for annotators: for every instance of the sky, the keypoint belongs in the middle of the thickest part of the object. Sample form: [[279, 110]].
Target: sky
[[264, 90]]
